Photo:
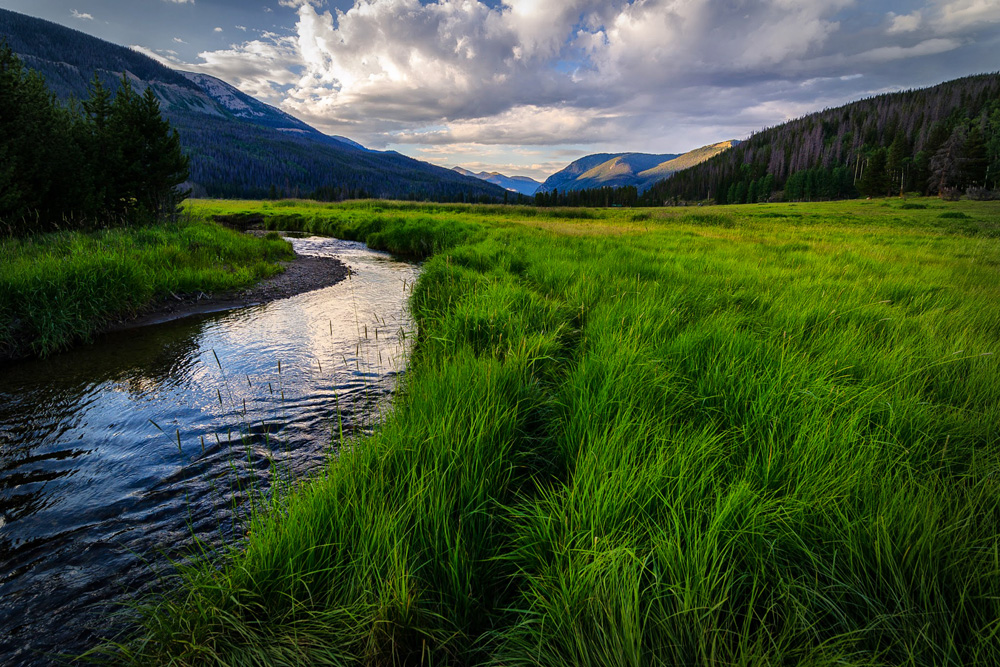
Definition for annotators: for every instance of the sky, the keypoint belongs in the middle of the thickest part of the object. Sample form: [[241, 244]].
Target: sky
[[526, 86]]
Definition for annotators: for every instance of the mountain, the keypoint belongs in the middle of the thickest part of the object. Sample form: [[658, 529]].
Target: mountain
[[238, 146], [520, 184], [242, 106], [943, 139], [618, 170], [603, 169], [685, 161], [252, 110]]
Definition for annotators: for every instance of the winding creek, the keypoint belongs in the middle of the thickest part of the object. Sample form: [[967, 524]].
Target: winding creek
[[116, 456]]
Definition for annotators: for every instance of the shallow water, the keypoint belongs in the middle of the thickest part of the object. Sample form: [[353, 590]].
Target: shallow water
[[116, 456]]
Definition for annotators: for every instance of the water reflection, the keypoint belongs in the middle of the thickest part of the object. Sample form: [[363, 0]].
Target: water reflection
[[114, 455]]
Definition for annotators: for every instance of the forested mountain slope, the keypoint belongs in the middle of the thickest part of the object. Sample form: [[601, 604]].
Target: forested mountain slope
[[239, 146], [944, 139]]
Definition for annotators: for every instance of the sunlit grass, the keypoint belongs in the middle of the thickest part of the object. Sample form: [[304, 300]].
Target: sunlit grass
[[59, 288], [724, 435]]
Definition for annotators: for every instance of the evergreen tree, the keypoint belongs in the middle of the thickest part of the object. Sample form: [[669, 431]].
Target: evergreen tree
[[921, 174], [944, 165], [974, 161], [897, 161], [875, 180], [147, 157], [811, 190], [115, 161], [70, 175], [740, 194], [28, 143], [992, 178], [793, 186], [100, 146], [164, 165], [766, 188]]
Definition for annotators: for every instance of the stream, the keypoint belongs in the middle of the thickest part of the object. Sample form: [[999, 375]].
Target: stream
[[121, 455]]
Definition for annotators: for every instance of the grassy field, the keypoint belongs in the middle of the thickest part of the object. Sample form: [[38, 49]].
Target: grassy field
[[707, 436], [59, 288]]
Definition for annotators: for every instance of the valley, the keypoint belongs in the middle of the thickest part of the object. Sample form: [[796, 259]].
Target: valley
[[277, 387]]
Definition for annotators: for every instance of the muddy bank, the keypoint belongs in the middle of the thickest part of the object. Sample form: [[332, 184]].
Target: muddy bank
[[302, 274]]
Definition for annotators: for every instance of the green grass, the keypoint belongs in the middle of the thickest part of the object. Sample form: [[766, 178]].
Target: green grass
[[726, 436], [58, 288]]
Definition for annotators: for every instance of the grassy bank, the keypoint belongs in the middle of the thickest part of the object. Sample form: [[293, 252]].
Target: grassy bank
[[734, 436], [62, 287]]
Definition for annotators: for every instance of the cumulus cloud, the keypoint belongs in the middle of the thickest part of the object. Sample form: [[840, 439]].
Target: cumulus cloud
[[81, 15], [491, 70], [561, 72], [955, 15], [901, 23], [217, 29], [262, 67]]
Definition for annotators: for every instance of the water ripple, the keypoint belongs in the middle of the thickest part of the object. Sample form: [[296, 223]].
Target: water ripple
[[115, 456]]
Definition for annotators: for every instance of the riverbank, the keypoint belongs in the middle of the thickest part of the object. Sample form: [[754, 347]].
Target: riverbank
[[97, 498], [57, 289], [299, 275], [760, 434]]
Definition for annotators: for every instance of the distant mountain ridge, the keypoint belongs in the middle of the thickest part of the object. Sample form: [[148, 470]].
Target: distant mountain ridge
[[600, 169], [520, 184], [617, 170], [238, 145]]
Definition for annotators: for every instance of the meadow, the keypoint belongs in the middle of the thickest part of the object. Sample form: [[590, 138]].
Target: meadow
[[740, 435], [59, 288]]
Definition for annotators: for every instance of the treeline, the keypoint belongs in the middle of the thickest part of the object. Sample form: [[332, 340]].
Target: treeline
[[819, 183], [626, 195], [942, 140], [110, 160], [339, 193]]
